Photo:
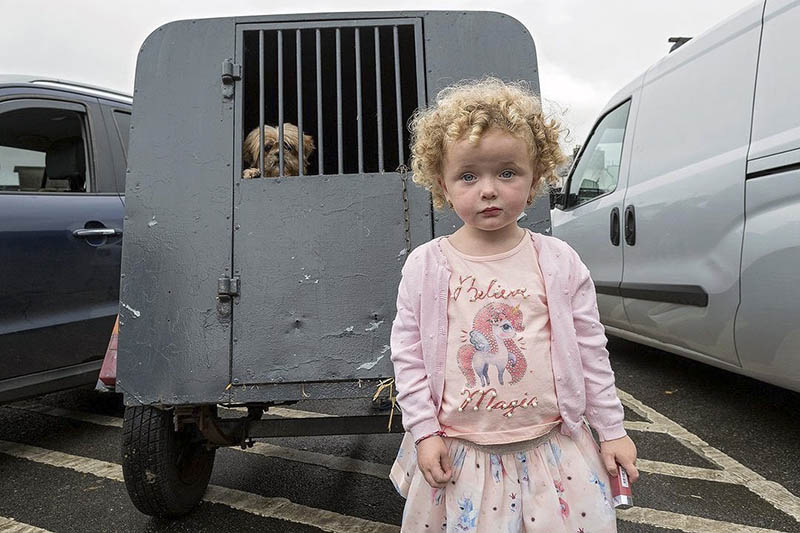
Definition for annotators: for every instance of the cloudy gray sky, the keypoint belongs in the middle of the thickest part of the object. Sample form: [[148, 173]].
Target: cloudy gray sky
[[587, 49]]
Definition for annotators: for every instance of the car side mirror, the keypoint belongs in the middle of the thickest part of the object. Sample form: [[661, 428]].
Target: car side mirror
[[556, 199]]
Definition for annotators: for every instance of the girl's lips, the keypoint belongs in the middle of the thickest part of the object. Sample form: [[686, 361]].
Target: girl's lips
[[491, 211]]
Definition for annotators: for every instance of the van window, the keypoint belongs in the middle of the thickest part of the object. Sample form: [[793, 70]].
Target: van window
[[597, 170], [42, 150]]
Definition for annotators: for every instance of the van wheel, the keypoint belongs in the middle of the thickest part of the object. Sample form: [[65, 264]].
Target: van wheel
[[166, 471]]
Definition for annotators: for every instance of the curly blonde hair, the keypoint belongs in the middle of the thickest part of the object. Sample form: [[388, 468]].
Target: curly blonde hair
[[468, 110]]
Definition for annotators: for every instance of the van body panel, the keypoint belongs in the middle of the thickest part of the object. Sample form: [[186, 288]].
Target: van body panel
[[771, 164], [633, 87], [776, 118], [715, 183], [686, 184], [767, 329]]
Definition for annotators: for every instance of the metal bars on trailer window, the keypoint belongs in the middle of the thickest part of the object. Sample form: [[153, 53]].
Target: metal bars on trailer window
[[337, 79], [298, 48], [320, 151], [280, 103], [398, 94], [261, 104], [379, 98]]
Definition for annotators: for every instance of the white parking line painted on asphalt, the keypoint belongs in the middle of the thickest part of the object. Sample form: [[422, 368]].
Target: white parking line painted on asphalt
[[685, 523], [99, 420], [9, 525], [772, 492], [279, 508], [286, 510], [643, 426], [283, 412], [686, 472]]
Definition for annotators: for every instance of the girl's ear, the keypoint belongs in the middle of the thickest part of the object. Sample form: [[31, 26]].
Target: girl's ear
[[532, 192], [440, 181]]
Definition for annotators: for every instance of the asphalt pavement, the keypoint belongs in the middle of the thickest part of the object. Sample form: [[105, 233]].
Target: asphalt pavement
[[718, 452]]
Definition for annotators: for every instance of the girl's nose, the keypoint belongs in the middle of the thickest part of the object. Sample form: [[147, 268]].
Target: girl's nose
[[488, 190]]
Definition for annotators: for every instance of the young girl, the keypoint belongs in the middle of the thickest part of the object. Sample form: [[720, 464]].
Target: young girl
[[497, 347]]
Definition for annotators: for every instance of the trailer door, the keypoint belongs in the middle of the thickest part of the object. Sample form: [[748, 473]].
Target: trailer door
[[318, 255]]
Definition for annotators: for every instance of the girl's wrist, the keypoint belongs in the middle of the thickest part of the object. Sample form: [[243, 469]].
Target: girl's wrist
[[434, 434]]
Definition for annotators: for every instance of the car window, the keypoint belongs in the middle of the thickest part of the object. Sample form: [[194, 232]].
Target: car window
[[597, 170], [122, 121], [42, 150]]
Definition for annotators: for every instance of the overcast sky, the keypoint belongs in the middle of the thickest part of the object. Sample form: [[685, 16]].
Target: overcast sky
[[587, 49]]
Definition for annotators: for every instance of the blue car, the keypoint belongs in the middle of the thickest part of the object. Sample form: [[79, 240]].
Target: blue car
[[62, 181]]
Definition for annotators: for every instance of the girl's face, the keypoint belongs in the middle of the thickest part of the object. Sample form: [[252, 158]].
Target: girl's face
[[488, 183]]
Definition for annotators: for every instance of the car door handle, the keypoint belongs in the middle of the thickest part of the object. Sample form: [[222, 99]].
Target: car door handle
[[615, 226], [96, 232], [630, 225]]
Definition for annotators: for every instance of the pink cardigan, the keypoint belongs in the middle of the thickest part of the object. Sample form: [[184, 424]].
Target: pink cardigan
[[583, 376]]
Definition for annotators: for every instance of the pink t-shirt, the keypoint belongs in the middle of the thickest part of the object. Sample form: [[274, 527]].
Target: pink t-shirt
[[498, 385]]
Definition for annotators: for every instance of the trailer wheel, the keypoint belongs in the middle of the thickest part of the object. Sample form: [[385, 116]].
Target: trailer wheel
[[166, 472]]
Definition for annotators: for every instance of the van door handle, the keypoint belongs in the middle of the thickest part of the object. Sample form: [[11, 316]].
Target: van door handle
[[615, 226], [630, 225]]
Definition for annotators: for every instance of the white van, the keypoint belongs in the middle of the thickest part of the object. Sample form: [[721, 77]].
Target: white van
[[685, 199]]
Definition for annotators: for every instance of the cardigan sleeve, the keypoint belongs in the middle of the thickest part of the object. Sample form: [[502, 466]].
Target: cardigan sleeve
[[603, 408], [411, 378]]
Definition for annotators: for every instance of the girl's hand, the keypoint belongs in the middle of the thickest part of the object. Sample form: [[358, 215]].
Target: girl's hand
[[622, 451], [434, 461]]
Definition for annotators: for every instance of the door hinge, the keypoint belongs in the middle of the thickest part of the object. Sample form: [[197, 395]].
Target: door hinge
[[231, 72], [227, 288]]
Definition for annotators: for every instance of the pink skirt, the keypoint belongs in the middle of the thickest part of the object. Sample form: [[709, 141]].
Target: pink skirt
[[551, 484]]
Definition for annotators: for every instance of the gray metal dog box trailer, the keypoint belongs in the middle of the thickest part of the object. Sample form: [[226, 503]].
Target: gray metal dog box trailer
[[257, 292]]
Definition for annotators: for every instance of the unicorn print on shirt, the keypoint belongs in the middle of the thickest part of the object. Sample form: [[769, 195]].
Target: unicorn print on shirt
[[492, 343]]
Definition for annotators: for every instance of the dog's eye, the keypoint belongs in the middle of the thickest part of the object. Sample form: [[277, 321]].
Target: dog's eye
[[268, 145]]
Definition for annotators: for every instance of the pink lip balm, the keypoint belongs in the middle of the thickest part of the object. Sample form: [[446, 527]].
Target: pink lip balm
[[621, 489]]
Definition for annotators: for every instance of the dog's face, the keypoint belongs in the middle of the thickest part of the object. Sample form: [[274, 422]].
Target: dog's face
[[291, 165]]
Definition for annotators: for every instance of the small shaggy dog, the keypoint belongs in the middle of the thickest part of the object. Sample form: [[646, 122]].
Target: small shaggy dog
[[290, 152]]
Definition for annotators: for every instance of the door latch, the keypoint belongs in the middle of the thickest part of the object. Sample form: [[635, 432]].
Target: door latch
[[231, 72], [227, 288]]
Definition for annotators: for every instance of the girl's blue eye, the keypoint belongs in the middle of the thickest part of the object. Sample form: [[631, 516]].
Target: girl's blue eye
[[468, 177], [507, 174]]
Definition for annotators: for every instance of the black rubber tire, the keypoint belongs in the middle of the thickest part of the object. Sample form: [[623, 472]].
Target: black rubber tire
[[166, 472]]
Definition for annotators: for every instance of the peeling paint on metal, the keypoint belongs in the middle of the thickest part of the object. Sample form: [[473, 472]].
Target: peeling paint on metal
[[374, 325], [369, 366], [136, 314]]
